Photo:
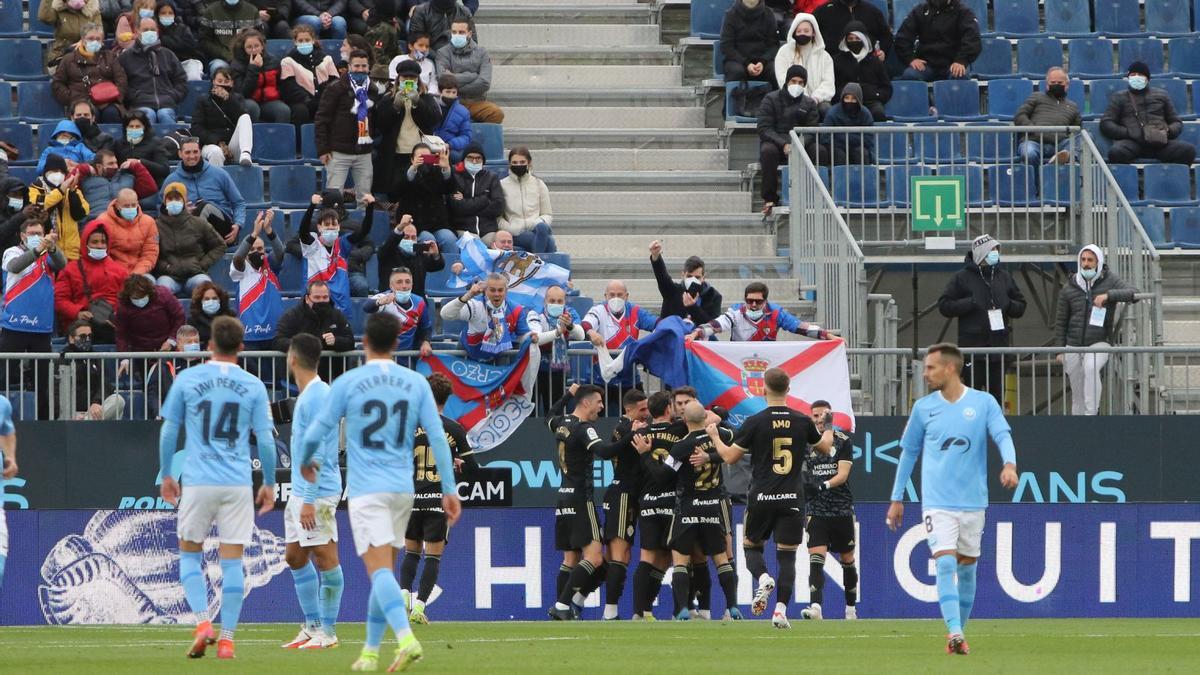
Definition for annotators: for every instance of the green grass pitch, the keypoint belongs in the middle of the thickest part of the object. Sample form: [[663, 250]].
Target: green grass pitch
[[865, 646]]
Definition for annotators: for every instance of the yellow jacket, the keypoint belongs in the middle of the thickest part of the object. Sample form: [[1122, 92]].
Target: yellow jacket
[[66, 213]]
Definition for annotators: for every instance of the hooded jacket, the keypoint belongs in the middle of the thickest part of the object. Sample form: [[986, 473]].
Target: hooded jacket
[[133, 243], [68, 24], [939, 35], [455, 128], [67, 210], [145, 329], [837, 116], [10, 218], [149, 151], [1153, 105], [864, 68], [105, 278], [156, 80], [76, 74], [1072, 322], [749, 35], [836, 16], [971, 293], [99, 191], [814, 58], [212, 184], [434, 18], [780, 113], [482, 203], [220, 24], [187, 246], [75, 151], [471, 65]]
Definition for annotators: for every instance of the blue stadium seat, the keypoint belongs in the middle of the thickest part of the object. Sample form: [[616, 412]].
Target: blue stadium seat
[[6, 110], [896, 180], [1090, 58], [292, 187], [892, 148], [291, 276], [24, 403], [974, 179], [1037, 55], [1005, 96], [729, 105], [275, 144], [26, 174], [1069, 18], [909, 102], [1152, 219], [995, 60], [717, 61], [1013, 185], [279, 48], [1165, 18], [1016, 18], [23, 61], [1177, 91], [249, 181], [988, 147], [1191, 133], [45, 135], [706, 18], [1075, 92], [1185, 226], [278, 221], [1056, 188], [380, 227], [331, 46], [12, 20], [1169, 184], [219, 272], [936, 148], [980, 8], [491, 137], [1183, 53], [856, 186], [35, 103], [1117, 18], [36, 25], [581, 304], [957, 100], [196, 90], [1092, 127], [1147, 50], [1101, 92], [902, 8], [308, 142], [1126, 176], [21, 136]]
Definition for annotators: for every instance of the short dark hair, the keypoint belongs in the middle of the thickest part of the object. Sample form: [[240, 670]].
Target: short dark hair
[[315, 283], [686, 390], [307, 348], [25, 225], [821, 403], [441, 387], [586, 390], [73, 329], [950, 351], [75, 104], [413, 37], [777, 380], [692, 264], [756, 287], [382, 332], [227, 336], [420, 145], [227, 72], [447, 81], [632, 398], [104, 152], [660, 403], [359, 54], [329, 214], [136, 284], [522, 151]]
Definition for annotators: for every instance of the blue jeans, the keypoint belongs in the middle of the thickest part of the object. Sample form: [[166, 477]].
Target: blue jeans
[[190, 285], [538, 240], [1032, 152], [446, 240], [271, 111], [160, 116], [930, 74], [336, 30]]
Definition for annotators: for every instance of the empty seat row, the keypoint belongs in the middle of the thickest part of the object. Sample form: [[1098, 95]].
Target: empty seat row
[[1177, 227], [1087, 57]]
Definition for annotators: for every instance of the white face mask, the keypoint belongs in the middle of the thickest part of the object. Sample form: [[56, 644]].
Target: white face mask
[[55, 178], [794, 90], [616, 305]]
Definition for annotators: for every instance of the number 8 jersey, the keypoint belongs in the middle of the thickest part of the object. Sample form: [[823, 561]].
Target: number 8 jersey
[[776, 438]]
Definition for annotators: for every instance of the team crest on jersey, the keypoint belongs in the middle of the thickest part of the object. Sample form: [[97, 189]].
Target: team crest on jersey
[[968, 413], [753, 381]]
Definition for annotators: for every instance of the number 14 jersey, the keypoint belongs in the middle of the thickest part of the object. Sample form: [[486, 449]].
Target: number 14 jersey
[[776, 438]]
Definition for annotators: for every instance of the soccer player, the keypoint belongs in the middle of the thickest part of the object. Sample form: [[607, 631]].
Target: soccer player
[[950, 429], [218, 403], [701, 579], [310, 522], [775, 438], [427, 529], [576, 529], [657, 503], [383, 404], [620, 500], [8, 443], [830, 511]]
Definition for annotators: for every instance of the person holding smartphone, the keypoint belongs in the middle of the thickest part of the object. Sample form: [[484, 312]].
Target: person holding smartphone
[[411, 114]]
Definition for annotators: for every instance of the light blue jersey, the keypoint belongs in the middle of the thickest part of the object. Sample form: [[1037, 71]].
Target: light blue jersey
[[218, 404], [6, 429], [952, 441], [383, 404], [329, 481]]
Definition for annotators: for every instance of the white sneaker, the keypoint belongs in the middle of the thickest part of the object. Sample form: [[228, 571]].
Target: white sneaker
[[813, 613], [780, 620], [762, 596], [851, 613], [321, 641], [245, 160], [300, 640]]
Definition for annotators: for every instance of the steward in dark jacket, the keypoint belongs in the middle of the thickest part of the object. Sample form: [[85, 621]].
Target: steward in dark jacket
[[749, 37]]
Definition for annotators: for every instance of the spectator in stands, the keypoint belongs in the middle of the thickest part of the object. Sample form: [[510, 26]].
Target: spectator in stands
[[95, 397], [304, 73], [846, 148], [985, 299], [208, 302], [220, 24], [436, 18], [857, 60], [749, 40], [1050, 108], [68, 18], [472, 66], [1086, 309], [527, 213], [419, 51], [102, 181], [413, 311], [610, 326], [140, 142], [188, 246], [162, 372], [343, 129], [316, 316], [455, 126], [129, 24], [756, 320], [87, 289], [27, 320], [111, 10], [503, 241], [805, 47], [222, 123], [67, 143], [479, 200], [15, 209], [939, 40], [215, 197], [362, 16], [328, 253], [256, 76], [132, 234], [557, 321], [780, 112], [323, 16], [692, 299], [1143, 123], [275, 18], [423, 190], [383, 37], [403, 249], [148, 316], [157, 83], [57, 193], [260, 302], [188, 12], [835, 17], [494, 323], [90, 73], [83, 114], [406, 114], [180, 39]]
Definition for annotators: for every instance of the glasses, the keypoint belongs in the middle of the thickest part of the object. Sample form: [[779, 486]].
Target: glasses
[[754, 302]]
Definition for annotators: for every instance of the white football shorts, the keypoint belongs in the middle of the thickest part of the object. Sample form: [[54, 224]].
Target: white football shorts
[[379, 519], [231, 507], [960, 531], [326, 530]]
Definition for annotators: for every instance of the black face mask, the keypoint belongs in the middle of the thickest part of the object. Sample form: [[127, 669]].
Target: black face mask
[[193, 169], [1057, 90], [854, 47], [83, 343], [256, 259], [852, 109], [448, 101], [518, 169], [803, 39], [322, 308]]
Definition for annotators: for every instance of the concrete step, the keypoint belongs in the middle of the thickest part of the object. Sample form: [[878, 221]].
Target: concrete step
[[650, 226], [615, 203], [564, 55], [1180, 377], [610, 246], [539, 13], [630, 159], [585, 77], [1181, 308], [543, 118], [539, 95], [748, 269], [572, 138], [643, 181], [1179, 332], [644, 290], [537, 35]]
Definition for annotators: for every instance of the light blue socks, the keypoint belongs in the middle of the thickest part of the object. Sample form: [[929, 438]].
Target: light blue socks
[[948, 593], [195, 588], [233, 587], [966, 591], [332, 583], [308, 593]]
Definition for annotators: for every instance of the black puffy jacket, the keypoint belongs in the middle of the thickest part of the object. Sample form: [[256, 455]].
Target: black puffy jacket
[[971, 293], [780, 113], [835, 18], [870, 73], [749, 35], [939, 35]]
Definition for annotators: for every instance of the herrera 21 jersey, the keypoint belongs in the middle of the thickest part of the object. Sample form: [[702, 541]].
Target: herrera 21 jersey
[[776, 438]]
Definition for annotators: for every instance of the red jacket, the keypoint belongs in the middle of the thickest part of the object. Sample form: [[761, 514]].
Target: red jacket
[[145, 329], [808, 6], [105, 277]]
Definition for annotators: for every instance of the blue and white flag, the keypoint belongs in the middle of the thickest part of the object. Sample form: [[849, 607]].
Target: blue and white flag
[[528, 275]]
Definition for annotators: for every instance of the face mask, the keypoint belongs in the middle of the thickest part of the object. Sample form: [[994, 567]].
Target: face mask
[[129, 212], [358, 78], [616, 305], [803, 39], [33, 241], [149, 38], [55, 178], [210, 306], [140, 302], [473, 167], [97, 253], [554, 311], [406, 245], [16, 204], [1057, 90], [751, 4], [794, 90], [174, 208], [145, 13], [691, 282], [992, 257], [1138, 82], [231, 3], [518, 169], [134, 135], [403, 297], [305, 48], [256, 259], [754, 314], [328, 237], [83, 343], [92, 46], [192, 347], [322, 307], [459, 41], [449, 100], [419, 55], [1088, 274], [167, 20], [852, 109], [63, 140], [855, 47]]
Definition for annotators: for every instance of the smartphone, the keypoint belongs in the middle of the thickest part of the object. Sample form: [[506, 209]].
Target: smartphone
[[410, 85], [430, 159]]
